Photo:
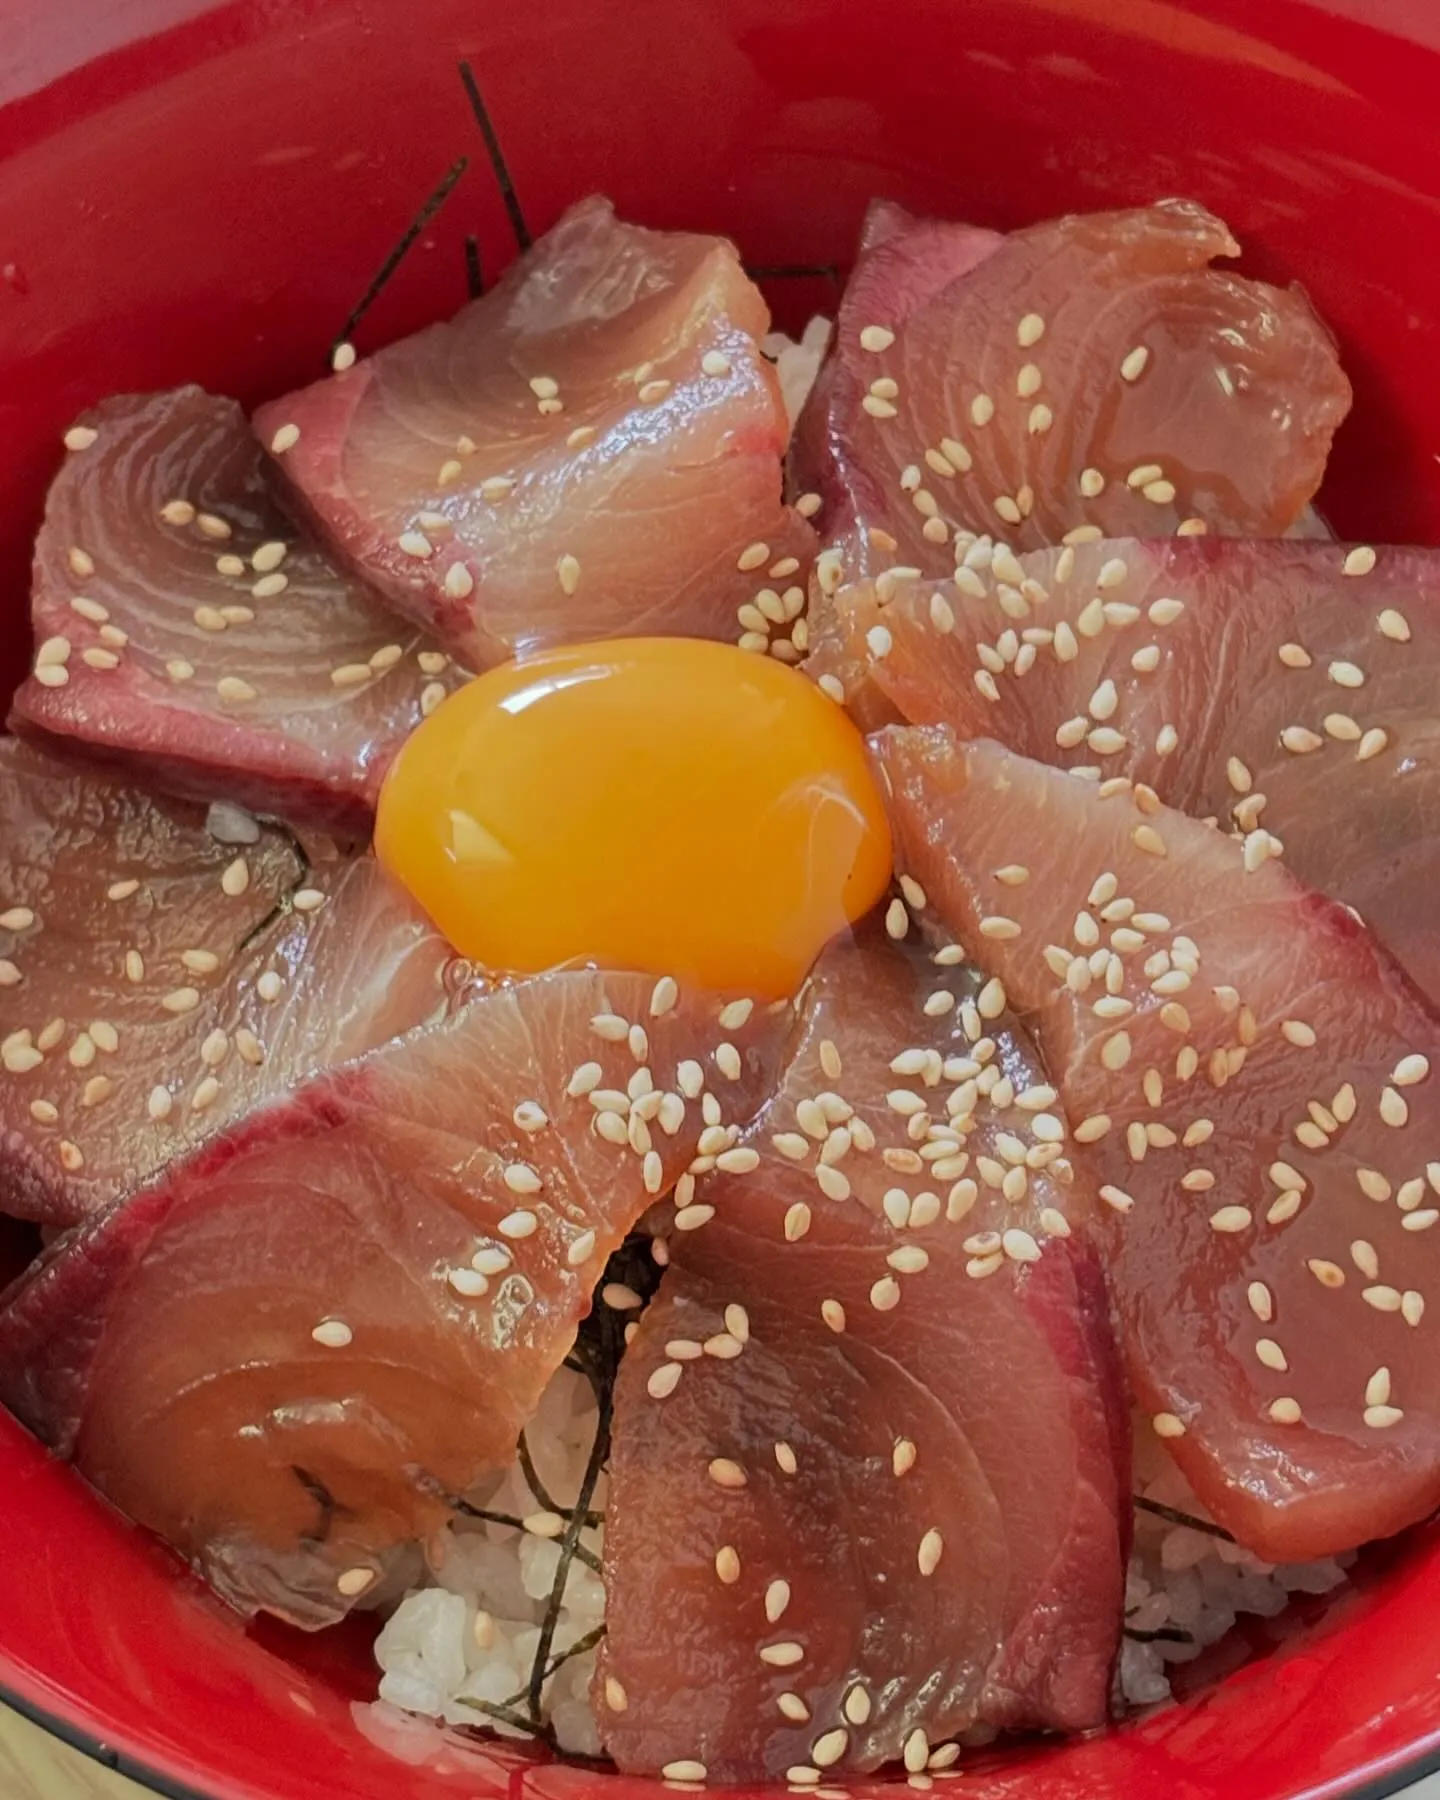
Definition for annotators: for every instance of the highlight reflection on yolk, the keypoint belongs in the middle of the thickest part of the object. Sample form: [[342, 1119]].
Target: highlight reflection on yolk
[[661, 804]]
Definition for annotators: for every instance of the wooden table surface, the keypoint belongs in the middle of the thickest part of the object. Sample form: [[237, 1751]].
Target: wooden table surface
[[36, 1766]]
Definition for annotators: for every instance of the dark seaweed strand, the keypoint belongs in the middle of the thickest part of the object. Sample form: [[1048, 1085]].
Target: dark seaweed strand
[[393, 261], [474, 276], [541, 1492], [793, 272], [513, 208], [596, 1355], [532, 1478], [611, 1345], [582, 1554], [508, 1711], [1177, 1517], [1165, 1634], [284, 906], [506, 1714]]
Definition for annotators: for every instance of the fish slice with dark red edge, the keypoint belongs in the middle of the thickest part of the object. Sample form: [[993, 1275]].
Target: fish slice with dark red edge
[[1093, 374], [1281, 688], [1253, 1074], [155, 984], [592, 450], [292, 1351], [870, 1466], [183, 626]]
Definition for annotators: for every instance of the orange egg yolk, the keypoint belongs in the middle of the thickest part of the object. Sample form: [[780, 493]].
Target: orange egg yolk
[[661, 804]]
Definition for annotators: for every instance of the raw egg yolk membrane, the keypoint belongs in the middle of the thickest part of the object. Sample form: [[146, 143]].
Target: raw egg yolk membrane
[[661, 804]]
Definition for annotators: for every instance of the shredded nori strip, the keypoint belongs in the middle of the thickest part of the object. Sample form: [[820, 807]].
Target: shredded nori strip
[[606, 1360], [596, 1355], [793, 271], [539, 1490], [1163, 1634], [582, 1554], [285, 905], [1176, 1517], [513, 209], [393, 261]]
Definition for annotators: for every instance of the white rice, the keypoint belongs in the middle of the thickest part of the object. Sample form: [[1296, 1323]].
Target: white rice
[[1194, 1582], [469, 1632], [797, 364]]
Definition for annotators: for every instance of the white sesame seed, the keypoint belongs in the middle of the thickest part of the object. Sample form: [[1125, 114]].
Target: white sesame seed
[[664, 1380], [1132, 367], [932, 1547], [1360, 560], [1394, 625], [286, 438], [1380, 1418], [459, 582], [1394, 1110], [519, 1224]]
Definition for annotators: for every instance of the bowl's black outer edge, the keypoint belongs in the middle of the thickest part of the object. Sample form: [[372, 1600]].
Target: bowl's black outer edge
[[98, 1750], [1379, 1787]]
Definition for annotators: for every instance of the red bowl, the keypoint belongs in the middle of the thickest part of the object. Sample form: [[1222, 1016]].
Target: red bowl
[[198, 192]]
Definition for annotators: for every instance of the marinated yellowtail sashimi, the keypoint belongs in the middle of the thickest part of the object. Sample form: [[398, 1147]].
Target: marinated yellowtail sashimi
[[1091, 375], [186, 629], [1282, 689], [869, 1482], [156, 983], [1253, 1077], [291, 1353], [591, 450]]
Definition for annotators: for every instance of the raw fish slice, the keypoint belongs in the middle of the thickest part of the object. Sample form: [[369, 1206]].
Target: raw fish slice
[[1089, 375], [906, 264], [1281, 688], [156, 983], [592, 450], [1255, 1077], [850, 1375], [182, 623], [289, 1353]]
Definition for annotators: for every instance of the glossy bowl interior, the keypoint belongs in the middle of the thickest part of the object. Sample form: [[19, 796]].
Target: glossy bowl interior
[[207, 192]]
